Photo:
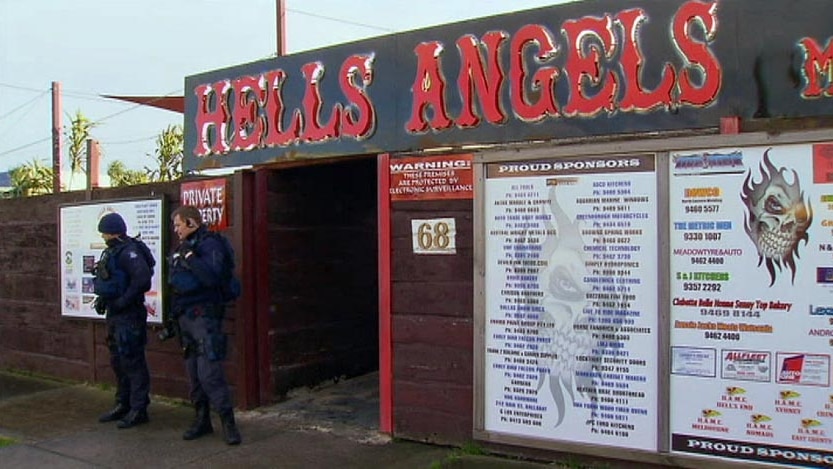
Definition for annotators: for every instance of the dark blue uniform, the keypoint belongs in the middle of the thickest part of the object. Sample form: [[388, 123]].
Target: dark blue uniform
[[196, 274], [123, 296]]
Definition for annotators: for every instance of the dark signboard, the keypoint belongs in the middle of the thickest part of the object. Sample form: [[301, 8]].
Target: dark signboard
[[580, 69]]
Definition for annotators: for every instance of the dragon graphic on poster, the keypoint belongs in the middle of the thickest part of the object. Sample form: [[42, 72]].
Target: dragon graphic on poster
[[563, 357], [778, 216]]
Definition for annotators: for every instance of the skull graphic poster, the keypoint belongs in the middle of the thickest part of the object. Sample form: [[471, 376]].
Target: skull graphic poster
[[751, 237], [570, 300]]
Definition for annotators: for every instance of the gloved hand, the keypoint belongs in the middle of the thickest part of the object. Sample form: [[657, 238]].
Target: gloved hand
[[179, 258], [99, 306], [186, 253]]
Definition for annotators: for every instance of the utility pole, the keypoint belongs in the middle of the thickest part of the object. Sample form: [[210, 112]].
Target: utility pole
[[280, 8], [56, 137]]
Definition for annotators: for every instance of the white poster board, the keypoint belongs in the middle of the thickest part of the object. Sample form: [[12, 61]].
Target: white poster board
[[81, 246], [751, 238], [570, 300]]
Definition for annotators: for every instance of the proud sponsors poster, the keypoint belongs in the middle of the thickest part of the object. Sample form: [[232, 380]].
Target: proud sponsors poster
[[752, 303], [82, 245], [571, 303]]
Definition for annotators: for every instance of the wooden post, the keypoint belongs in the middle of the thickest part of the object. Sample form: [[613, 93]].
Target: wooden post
[[93, 164], [259, 250], [280, 31], [56, 137]]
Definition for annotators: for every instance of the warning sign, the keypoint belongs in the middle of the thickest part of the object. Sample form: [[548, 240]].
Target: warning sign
[[437, 177]]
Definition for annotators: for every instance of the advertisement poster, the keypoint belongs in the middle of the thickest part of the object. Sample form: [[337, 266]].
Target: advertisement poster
[[431, 178], [209, 196], [571, 300], [82, 245], [752, 303]]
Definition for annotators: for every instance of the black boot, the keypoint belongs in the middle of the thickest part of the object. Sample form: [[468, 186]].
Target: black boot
[[202, 423], [119, 411], [133, 418], [230, 433]]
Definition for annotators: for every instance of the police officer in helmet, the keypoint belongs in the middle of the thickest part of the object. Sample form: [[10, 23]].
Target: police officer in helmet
[[196, 273], [122, 276]]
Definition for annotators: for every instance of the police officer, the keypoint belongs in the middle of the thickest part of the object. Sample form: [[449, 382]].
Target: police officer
[[196, 273], [122, 277]]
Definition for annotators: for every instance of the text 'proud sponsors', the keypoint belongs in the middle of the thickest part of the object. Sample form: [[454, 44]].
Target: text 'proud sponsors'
[[571, 313], [752, 303]]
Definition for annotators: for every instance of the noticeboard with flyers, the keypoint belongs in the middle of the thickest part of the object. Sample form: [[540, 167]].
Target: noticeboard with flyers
[[81, 246], [751, 234]]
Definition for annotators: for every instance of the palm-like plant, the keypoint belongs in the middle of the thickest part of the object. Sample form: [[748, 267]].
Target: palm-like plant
[[33, 178], [121, 176], [79, 132], [168, 155]]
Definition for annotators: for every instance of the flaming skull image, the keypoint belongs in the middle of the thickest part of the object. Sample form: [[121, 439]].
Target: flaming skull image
[[777, 217], [564, 301]]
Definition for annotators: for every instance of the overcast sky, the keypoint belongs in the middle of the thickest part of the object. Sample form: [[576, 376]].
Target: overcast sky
[[148, 47]]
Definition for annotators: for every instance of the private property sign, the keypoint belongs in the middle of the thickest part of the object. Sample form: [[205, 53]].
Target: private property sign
[[575, 70], [209, 196]]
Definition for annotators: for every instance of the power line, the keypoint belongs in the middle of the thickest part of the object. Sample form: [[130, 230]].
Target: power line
[[124, 142], [30, 144], [22, 88], [22, 147], [86, 97], [339, 20], [23, 116], [160, 98], [79, 93], [24, 104]]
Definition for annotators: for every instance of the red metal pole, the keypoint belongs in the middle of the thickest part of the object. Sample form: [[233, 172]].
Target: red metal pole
[[56, 137], [385, 284]]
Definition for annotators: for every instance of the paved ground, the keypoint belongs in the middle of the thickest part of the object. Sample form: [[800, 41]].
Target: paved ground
[[55, 425]]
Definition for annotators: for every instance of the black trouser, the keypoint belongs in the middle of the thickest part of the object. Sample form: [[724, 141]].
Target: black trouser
[[126, 339], [202, 336]]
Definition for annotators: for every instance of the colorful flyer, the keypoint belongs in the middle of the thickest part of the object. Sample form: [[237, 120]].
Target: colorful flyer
[[751, 244]]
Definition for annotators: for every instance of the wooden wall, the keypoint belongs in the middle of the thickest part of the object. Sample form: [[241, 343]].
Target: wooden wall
[[432, 321], [34, 337], [322, 232]]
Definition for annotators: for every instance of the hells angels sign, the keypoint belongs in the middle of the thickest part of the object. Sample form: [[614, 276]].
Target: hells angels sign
[[580, 69]]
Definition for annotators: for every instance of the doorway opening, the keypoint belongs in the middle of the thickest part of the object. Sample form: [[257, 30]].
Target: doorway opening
[[323, 274]]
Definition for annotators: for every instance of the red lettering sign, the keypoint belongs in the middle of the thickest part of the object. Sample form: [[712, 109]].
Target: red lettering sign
[[818, 67], [601, 73], [209, 196]]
